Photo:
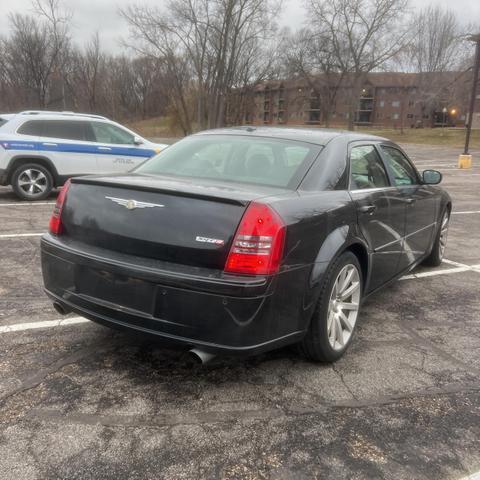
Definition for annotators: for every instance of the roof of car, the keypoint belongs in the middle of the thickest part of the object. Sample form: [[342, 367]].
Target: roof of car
[[319, 136]]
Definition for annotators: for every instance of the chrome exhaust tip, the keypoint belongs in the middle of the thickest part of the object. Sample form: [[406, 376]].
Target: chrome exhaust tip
[[198, 356], [60, 308]]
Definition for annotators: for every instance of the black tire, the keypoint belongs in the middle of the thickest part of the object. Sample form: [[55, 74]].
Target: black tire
[[436, 255], [315, 345], [41, 182]]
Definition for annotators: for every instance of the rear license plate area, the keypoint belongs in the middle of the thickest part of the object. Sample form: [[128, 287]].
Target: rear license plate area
[[117, 289]]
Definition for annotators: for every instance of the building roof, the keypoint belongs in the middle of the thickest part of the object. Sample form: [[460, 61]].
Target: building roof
[[376, 79]]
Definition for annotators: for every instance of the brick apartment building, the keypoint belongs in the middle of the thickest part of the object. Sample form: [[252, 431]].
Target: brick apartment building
[[386, 99]]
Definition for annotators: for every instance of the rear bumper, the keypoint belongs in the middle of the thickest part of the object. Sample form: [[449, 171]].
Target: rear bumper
[[194, 307]]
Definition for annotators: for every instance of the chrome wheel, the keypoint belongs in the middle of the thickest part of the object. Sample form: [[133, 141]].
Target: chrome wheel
[[32, 182], [343, 307], [443, 234]]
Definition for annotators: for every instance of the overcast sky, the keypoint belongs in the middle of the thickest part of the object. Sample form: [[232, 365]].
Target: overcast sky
[[102, 15]]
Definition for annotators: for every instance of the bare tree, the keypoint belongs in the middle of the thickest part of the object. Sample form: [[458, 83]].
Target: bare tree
[[88, 69], [310, 56], [35, 51], [364, 34], [437, 46], [208, 48]]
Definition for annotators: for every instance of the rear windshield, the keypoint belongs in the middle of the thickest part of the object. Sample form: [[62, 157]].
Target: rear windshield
[[257, 160]]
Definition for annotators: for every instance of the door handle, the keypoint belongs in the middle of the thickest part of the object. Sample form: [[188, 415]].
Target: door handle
[[104, 148], [367, 209], [410, 201]]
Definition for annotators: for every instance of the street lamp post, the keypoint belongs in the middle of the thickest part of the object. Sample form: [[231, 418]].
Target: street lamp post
[[444, 111], [476, 67]]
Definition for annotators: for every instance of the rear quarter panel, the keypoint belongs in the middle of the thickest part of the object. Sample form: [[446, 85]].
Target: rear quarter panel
[[320, 225]]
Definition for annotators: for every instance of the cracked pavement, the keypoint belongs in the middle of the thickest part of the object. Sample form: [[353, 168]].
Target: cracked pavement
[[85, 402]]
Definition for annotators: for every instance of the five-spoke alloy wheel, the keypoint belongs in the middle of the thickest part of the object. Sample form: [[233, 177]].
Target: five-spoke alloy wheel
[[32, 182], [443, 234], [343, 307], [440, 242], [335, 317]]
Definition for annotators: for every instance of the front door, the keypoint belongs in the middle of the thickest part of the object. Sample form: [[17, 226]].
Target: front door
[[419, 203], [116, 150], [380, 210]]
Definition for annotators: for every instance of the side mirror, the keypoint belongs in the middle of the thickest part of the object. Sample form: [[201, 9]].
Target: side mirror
[[137, 140], [431, 177]]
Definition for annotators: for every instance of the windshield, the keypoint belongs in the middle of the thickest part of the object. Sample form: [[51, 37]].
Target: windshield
[[242, 159]]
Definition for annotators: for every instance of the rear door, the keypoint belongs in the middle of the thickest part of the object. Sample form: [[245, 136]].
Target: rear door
[[419, 203], [381, 211], [116, 148], [65, 142]]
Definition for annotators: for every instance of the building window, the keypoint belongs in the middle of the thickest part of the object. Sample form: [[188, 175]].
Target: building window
[[410, 115], [314, 103], [411, 103], [396, 116], [382, 103], [396, 103]]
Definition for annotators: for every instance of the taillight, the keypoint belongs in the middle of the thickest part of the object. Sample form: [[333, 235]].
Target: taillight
[[55, 226], [258, 244]]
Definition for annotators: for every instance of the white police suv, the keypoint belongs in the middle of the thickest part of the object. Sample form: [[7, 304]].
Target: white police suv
[[40, 150]]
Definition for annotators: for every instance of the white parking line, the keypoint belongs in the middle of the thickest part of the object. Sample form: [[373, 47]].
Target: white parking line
[[459, 268], [15, 235], [434, 273], [18, 327], [25, 204], [466, 213], [473, 476]]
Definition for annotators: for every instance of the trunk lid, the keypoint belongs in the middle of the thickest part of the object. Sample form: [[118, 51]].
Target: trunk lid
[[180, 221]]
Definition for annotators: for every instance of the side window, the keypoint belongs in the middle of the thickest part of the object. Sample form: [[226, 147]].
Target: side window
[[32, 127], [107, 133], [402, 170], [65, 129], [367, 170]]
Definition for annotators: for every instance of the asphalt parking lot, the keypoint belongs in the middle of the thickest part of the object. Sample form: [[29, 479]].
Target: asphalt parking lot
[[81, 401]]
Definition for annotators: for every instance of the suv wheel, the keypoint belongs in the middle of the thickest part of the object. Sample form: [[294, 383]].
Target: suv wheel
[[334, 320], [32, 182]]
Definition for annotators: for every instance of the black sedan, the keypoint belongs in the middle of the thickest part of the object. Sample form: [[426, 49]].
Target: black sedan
[[242, 240]]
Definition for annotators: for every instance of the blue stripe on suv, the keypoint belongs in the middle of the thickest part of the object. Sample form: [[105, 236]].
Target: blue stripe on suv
[[76, 148]]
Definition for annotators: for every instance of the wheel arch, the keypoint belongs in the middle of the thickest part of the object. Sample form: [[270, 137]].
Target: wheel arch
[[45, 162], [341, 240], [361, 252]]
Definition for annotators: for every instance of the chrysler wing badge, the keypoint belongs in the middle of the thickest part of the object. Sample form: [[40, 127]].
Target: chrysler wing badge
[[133, 204]]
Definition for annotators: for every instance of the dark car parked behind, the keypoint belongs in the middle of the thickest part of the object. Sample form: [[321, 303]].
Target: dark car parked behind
[[245, 239]]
